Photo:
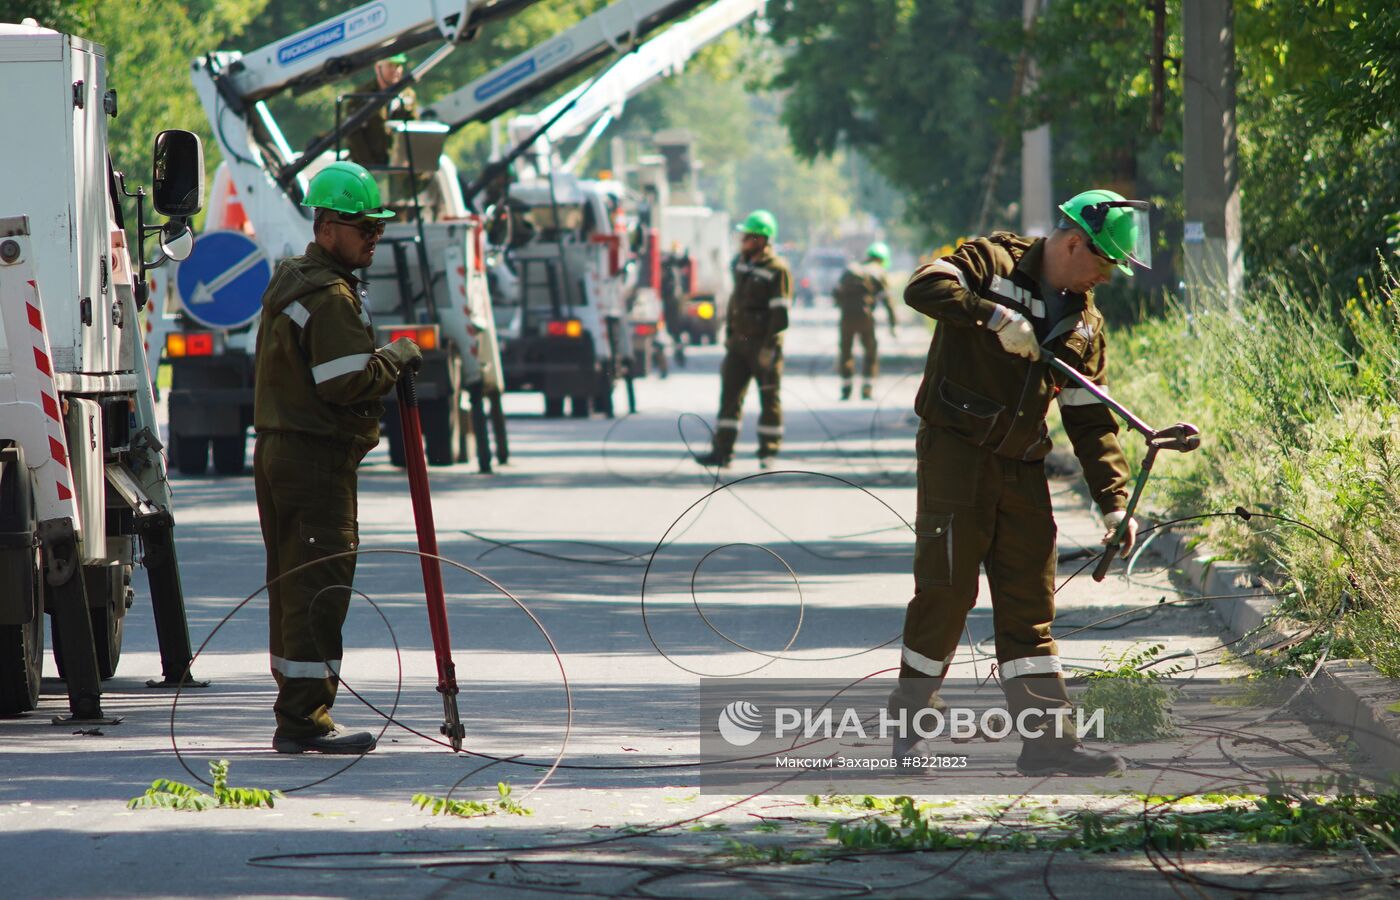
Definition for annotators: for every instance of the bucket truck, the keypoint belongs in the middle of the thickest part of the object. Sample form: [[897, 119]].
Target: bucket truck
[[83, 491], [428, 282], [567, 289]]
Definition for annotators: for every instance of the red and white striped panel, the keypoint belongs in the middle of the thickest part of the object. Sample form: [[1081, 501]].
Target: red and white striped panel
[[43, 382]]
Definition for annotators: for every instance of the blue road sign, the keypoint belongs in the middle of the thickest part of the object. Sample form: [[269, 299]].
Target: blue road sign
[[222, 282]]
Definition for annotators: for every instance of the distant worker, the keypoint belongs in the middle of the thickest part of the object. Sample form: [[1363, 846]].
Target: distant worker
[[862, 287], [369, 144], [316, 412], [753, 345], [676, 276], [983, 500]]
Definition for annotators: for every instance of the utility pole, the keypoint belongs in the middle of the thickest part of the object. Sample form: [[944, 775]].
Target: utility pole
[[1037, 197], [1214, 259]]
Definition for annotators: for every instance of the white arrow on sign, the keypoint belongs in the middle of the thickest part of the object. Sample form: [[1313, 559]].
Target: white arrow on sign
[[204, 293]]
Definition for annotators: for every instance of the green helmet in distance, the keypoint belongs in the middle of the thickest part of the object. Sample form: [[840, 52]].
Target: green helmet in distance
[[1119, 228], [761, 223], [347, 188], [880, 251]]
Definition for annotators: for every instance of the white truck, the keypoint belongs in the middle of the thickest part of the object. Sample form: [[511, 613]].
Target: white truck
[[83, 491]]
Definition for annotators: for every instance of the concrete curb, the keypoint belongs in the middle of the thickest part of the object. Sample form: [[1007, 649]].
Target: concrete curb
[[1350, 691]]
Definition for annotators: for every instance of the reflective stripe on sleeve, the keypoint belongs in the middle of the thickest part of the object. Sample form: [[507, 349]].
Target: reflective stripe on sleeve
[[930, 667], [293, 668], [1031, 665], [948, 268], [345, 365], [1078, 397], [779, 303], [297, 313]]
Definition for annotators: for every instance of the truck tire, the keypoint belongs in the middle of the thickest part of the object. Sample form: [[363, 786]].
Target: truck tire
[[21, 646], [191, 454], [442, 430], [553, 407], [21, 664], [230, 454], [580, 406]]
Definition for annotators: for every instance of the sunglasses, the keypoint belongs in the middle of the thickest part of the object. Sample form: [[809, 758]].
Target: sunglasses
[[366, 231]]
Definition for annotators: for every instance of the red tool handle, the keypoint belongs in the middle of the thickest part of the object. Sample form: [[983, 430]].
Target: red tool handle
[[427, 545]]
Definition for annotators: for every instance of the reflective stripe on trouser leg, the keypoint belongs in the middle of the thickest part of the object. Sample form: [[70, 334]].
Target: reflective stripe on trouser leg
[[306, 502], [734, 375], [770, 402], [953, 528]]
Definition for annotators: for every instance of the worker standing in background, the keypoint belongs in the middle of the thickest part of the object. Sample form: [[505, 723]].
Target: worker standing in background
[[369, 144], [753, 344], [316, 412], [862, 287], [983, 499]]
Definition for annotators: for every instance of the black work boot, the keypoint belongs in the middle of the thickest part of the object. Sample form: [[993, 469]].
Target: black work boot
[[867, 391], [338, 741], [714, 460], [911, 696], [1047, 756], [845, 392]]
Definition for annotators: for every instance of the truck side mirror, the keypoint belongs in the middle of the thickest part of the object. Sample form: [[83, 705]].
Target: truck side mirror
[[177, 174]]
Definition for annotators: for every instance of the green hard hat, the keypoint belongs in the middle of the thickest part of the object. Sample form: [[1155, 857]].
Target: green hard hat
[[399, 59], [760, 222], [1118, 227], [347, 188], [878, 250]]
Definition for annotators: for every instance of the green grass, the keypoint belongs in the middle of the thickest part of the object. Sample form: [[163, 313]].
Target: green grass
[[1297, 393]]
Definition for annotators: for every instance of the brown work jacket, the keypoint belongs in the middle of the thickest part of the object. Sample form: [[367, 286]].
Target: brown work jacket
[[369, 144], [862, 287], [318, 373], [758, 308], [999, 401]]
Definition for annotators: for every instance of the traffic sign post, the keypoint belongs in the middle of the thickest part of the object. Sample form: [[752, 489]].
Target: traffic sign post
[[222, 282]]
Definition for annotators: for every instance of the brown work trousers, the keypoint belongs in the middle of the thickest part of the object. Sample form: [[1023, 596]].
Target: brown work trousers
[[306, 492], [977, 509], [860, 326], [741, 365]]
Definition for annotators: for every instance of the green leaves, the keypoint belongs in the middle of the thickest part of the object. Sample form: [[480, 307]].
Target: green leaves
[[166, 794], [468, 809]]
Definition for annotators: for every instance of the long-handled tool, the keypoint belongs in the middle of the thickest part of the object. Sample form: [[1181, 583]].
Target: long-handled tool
[[427, 545], [1183, 437]]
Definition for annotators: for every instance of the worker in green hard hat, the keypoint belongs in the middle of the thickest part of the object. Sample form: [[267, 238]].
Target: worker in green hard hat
[[753, 344], [1000, 302], [862, 287], [369, 144], [316, 410]]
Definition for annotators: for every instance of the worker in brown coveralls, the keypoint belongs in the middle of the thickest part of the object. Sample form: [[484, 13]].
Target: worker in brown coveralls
[[753, 345], [862, 287], [369, 144], [983, 499], [316, 412]]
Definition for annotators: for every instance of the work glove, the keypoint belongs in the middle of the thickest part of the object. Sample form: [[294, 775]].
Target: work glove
[[403, 353], [1111, 520], [766, 357], [1016, 334]]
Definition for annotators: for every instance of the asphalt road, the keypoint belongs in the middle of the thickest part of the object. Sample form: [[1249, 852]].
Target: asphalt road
[[803, 571]]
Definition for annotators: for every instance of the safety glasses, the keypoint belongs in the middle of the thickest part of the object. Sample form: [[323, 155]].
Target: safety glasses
[[367, 231]]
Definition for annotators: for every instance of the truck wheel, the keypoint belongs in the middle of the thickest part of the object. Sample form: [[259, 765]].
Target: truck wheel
[[230, 454], [191, 454], [21, 646], [553, 407], [579, 407], [442, 430], [107, 620], [21, 664]]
